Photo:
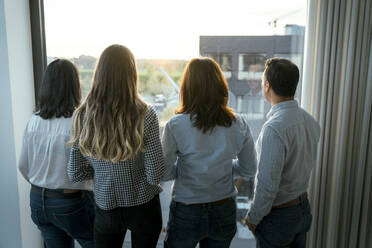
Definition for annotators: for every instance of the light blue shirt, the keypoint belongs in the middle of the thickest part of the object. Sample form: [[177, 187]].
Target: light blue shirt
[[286, 152], [203, 164]]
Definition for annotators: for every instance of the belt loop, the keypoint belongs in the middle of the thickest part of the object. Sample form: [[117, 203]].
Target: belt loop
[[43, 201], [302, 198]]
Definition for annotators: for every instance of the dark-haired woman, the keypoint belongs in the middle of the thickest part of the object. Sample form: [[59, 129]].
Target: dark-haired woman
[[62, 210], [205, 144]]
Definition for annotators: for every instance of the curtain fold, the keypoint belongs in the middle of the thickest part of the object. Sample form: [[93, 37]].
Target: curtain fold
[[337, 90]]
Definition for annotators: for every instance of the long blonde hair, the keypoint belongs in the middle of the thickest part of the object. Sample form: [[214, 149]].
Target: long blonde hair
[[109, 123]]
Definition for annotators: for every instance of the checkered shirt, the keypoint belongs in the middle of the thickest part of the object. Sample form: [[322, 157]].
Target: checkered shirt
[[126, 183]]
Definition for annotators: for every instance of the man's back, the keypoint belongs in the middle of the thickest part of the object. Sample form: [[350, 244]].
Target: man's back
[[280, 213], [299, 133]]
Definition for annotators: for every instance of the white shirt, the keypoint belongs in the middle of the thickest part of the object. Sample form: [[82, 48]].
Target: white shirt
[[45, 155], [286, 152]]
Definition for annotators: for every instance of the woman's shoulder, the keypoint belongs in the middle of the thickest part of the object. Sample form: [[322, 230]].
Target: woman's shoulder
[[35, 120], [179, 120], [240, 123], [151, 117], [59, 125], [36, 117], [150, 109], [150, 112]]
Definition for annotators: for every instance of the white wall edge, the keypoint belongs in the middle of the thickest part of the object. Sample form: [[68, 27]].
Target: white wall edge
[[17, 18]]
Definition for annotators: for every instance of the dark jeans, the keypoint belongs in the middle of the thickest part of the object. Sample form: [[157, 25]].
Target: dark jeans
[[144, 222], [63, 220], [285, 227], [208, 225]]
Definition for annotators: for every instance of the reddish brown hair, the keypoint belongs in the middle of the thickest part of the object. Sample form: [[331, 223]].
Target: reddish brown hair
[[204, 94]]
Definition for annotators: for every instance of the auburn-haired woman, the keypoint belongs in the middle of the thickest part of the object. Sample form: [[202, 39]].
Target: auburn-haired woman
[[60, 209], [205, 144], [116, 142]]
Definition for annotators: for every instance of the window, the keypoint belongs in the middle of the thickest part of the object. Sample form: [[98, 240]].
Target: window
[[164, 35], [224, 60], [251, 67], [252, 103]]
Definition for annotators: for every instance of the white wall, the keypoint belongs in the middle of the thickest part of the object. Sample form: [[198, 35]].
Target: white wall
[[18, 108], [9, 207]]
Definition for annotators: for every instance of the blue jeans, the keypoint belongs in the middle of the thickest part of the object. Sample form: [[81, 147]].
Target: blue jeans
[[285, 227], [209, 225], [63, 220]]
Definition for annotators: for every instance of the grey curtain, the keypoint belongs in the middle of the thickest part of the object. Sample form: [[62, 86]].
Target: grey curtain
[[337, 90]]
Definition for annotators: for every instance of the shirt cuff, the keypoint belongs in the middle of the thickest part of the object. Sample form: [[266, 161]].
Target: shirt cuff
[[254, 218]]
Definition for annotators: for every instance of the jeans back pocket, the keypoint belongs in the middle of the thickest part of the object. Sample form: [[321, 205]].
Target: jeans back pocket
[[78, 223]]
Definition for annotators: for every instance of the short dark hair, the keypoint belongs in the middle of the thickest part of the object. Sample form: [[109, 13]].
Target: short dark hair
[[283, 76], [59, 93]]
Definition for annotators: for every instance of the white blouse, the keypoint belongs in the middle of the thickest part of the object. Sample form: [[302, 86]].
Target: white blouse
[[45, 155]]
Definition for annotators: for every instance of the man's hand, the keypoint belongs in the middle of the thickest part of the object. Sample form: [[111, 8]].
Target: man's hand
[[251, 227]]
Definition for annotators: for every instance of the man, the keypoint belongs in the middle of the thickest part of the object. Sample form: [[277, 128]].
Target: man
[[280, 213]]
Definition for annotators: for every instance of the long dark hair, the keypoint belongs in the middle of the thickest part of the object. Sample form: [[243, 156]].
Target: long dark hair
[[109, 124], [204, 94], [60, 93]]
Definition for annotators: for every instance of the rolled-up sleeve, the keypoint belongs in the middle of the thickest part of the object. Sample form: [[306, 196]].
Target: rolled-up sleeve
[[78, 167], [153, 156], [271, 157], [170, 153]]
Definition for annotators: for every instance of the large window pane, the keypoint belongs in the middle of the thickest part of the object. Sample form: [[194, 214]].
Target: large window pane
[[164, 35]]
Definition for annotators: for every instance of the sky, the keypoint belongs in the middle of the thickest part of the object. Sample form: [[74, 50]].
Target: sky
[[168, 29]]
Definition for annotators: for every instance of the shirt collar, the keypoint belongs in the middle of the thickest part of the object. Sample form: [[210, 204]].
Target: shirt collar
[[282, 105]]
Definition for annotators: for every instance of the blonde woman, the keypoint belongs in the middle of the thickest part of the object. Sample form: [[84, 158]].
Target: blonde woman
[[116, 142]]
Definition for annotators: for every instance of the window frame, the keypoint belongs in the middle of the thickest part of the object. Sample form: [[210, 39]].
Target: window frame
[[39, 55]]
